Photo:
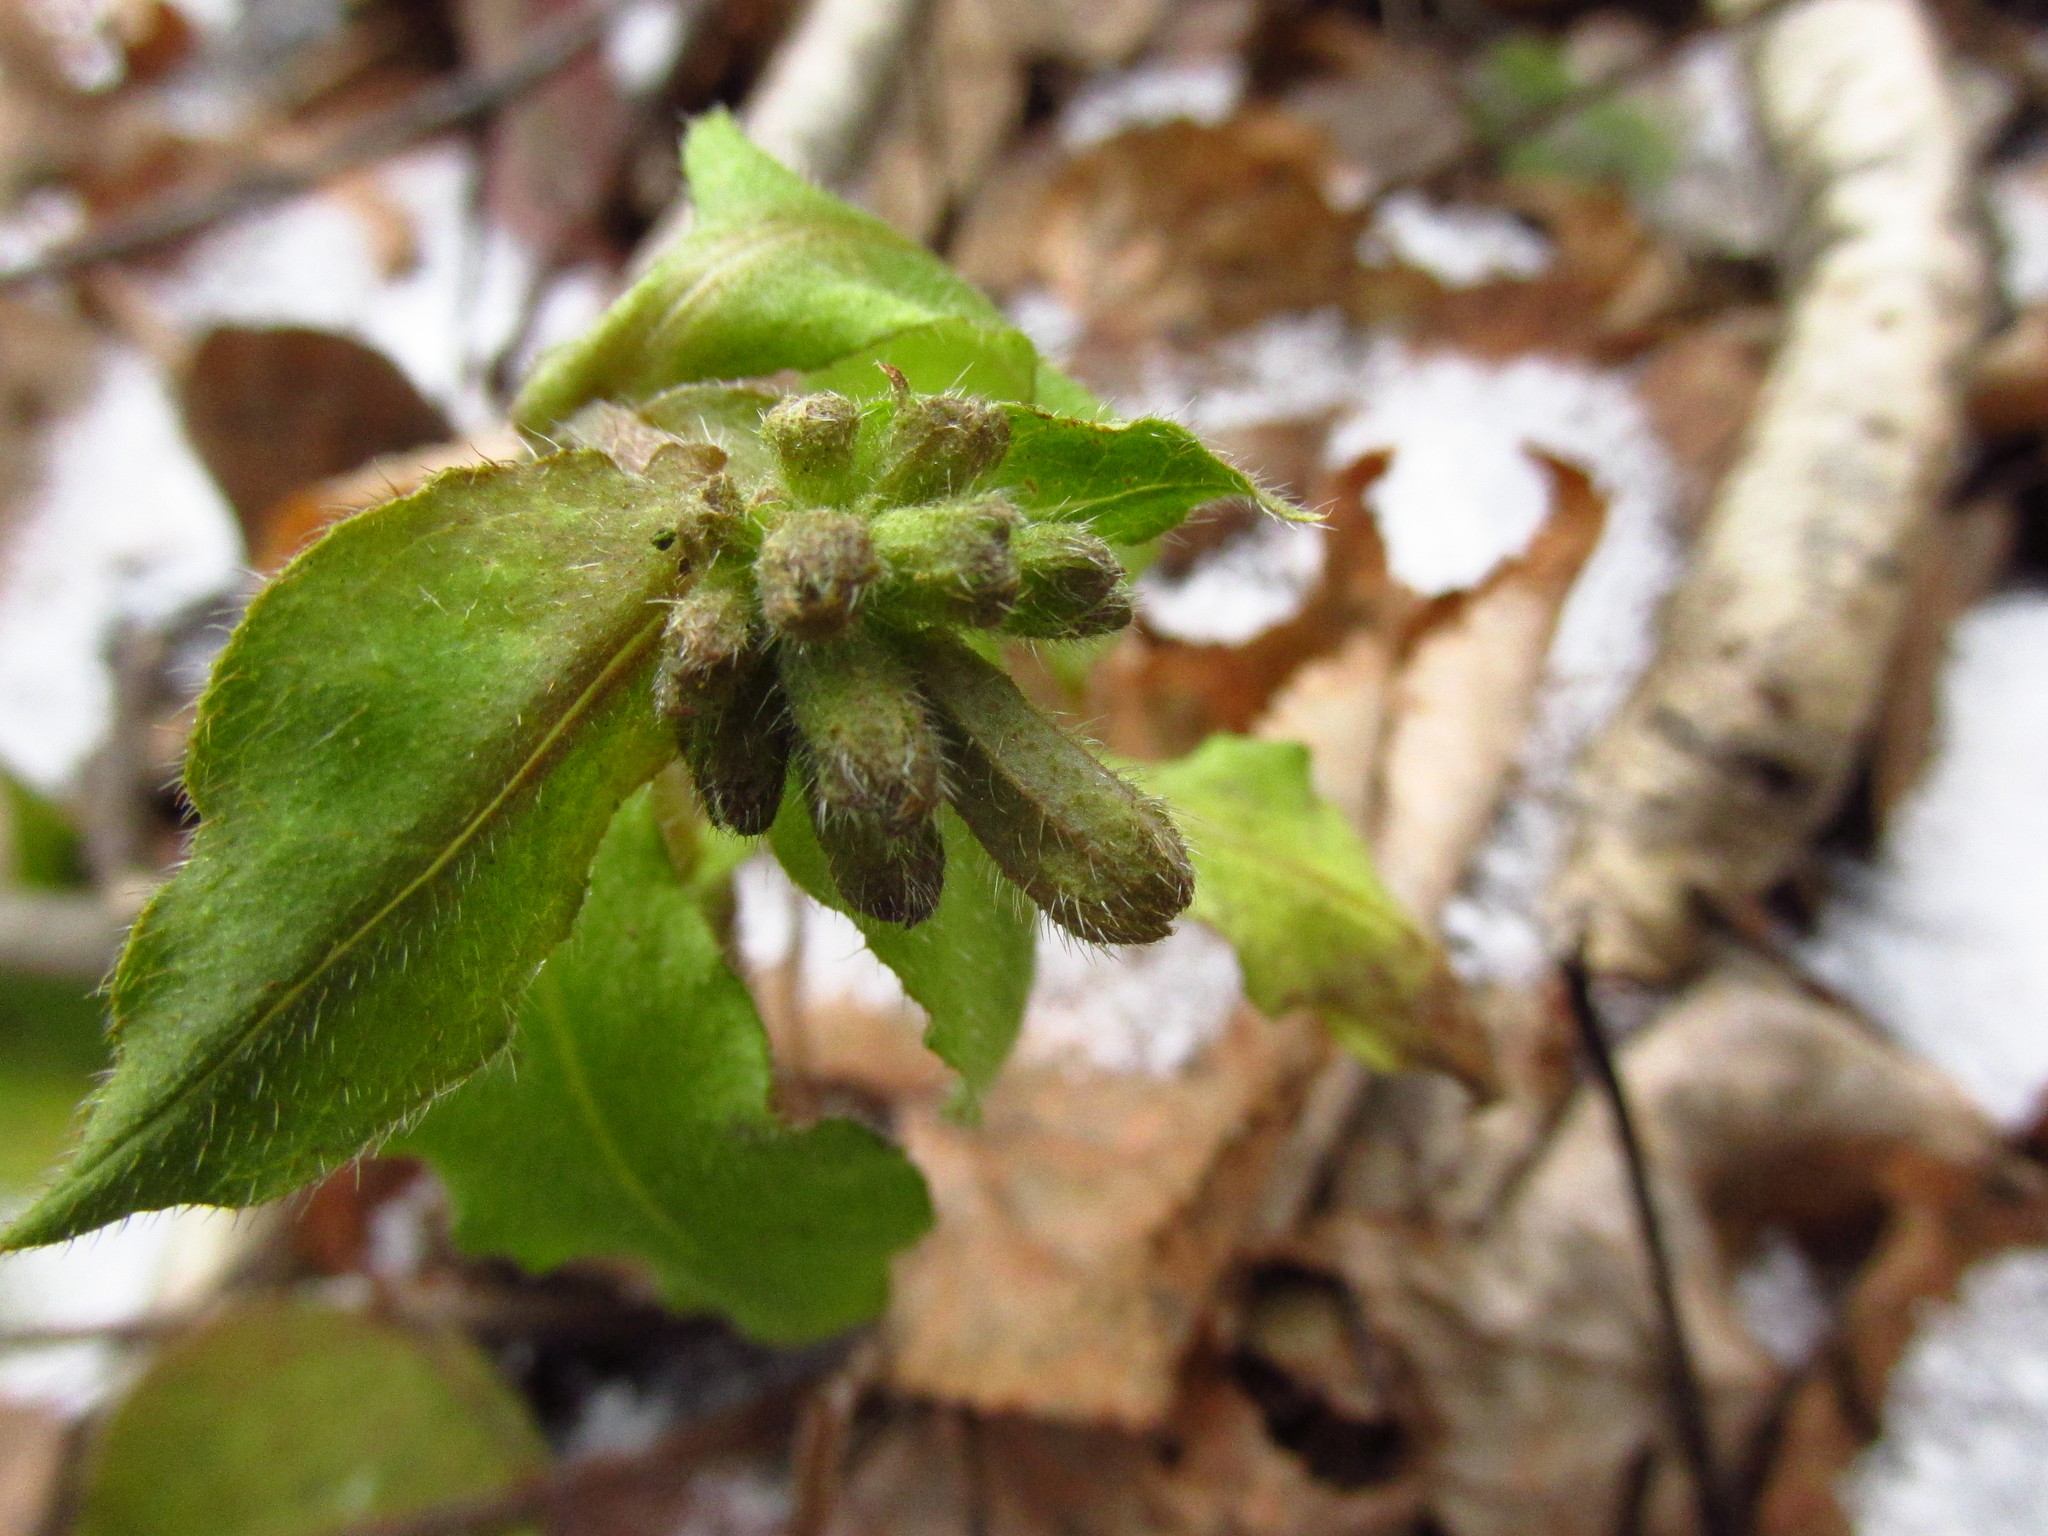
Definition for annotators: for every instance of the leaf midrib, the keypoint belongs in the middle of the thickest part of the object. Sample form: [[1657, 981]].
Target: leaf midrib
[[594, 693]]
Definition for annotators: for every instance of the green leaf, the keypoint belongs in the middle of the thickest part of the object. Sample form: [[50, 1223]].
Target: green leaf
[[287, 1419], [968, 965], [1280, 873], [996, 363], [630, 1119], [408, 753], [1128, 483], [47, 852], [772, 274]]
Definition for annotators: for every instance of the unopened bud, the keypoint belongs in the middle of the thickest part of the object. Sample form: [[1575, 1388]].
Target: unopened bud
[[814, 567], [1070, 584], [711, 521], [812, 439], [938, 446], [705, 645], [866, 733], [1100, 859], [895, 877], [737, 751], [949, 563]]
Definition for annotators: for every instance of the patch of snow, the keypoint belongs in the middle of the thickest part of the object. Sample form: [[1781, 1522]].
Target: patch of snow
[[143, 1267], [1944, 940], [641, 44], [44, 218], [124, 526], [2018, 199], [1781, 1303], [1461, 496], [314, 262], [1141, 1010], [773, 916], [1461, 245], [1256, 581], [1053, 328], [1966, 1417], [1205, 91]]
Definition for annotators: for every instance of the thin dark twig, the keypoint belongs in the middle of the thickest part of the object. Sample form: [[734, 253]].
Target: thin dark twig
[[446, 103], [1686, 1400]]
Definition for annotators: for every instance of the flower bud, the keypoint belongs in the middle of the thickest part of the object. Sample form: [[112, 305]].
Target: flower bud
[[1100, 859], [812, 438], [866, 733], [815, 565], [895, 877], [705, 644], [938, 446], [711, 521], [737, 750], [949, 563], [1070, 584]]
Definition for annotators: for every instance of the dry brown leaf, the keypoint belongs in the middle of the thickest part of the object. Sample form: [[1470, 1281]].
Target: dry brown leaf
[[1968, 549], [1941, 1218], [1528, 1322], [1462, 700], [1083, 1223], [1182, 230], [33, 1443], [275, 410]]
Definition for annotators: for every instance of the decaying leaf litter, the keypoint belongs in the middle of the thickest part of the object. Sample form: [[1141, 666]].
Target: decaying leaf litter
[[1664, 429]]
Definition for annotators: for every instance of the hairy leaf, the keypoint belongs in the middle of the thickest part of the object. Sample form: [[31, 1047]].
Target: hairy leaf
[[630, 1119], [1127, 484], [286, 1419], [772, 274], [408, 753], [956, 356], [1280, 873], [968, 966]]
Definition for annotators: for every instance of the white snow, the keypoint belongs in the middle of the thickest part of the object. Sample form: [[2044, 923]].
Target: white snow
[[1944, 942], [1258, 580], [1461, 245], [125, 526], [1966, 1419], [1145, 1010], [146, 1266], [1205, 91]]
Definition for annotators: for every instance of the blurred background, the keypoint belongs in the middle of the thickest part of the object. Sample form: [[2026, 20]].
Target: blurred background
[[1515, 291]]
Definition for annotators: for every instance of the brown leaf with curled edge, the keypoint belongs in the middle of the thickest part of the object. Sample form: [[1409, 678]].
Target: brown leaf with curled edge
[[1083, 1223], [1181, 229], [276, 409], [1526, 1315], [1463, 698]]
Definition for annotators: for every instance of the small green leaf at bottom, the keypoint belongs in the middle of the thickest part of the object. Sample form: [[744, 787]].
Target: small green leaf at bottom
[[287, 1419], [630, 1119]]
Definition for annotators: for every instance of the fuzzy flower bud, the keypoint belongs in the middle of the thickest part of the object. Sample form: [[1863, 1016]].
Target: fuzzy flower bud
[[814, 567]]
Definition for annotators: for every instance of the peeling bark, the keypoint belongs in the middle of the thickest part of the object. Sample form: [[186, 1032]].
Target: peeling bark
[[1740, 740]]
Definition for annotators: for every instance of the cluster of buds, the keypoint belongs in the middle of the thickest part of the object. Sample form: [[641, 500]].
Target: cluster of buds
[[818, 632]]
